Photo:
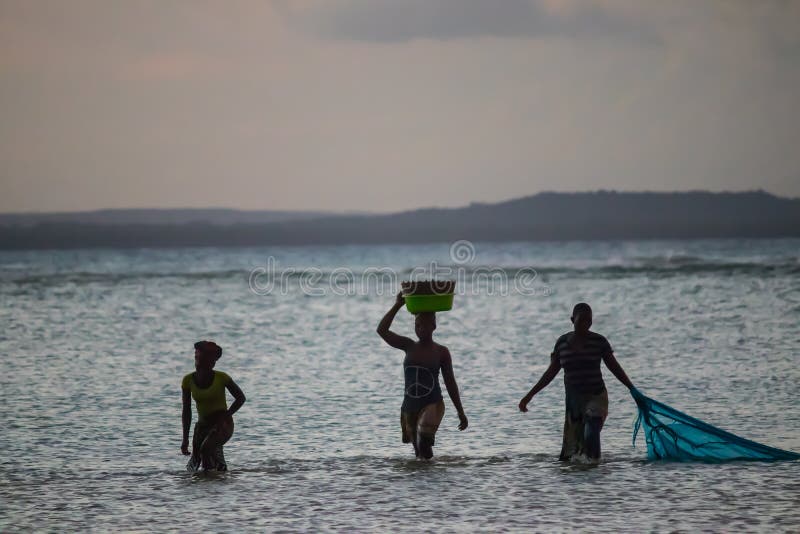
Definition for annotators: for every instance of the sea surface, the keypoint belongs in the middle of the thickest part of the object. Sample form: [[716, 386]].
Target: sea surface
[[94, 344]]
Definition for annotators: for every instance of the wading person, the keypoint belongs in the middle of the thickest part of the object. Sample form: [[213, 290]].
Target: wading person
[[579, 353], [214, 425], [423, 407]]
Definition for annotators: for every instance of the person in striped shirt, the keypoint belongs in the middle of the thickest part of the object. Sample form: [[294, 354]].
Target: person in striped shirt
[[579, 353]]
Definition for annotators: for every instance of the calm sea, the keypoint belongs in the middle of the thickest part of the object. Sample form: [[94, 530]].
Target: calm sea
[[94, 345]]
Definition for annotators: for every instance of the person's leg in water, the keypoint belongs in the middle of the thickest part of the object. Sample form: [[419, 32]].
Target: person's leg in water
[[427, 424], [591, 437], [408, 426], [594, 416]]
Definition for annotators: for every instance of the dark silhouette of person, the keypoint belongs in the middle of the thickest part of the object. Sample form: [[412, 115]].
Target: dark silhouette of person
[[423, 407], [214, 426], [579, 353]]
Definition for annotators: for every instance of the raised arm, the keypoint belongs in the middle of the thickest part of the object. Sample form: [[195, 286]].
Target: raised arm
[[395, 340], [616, 369], [452, 387], [186, 418], [548, 376], [238, 397]]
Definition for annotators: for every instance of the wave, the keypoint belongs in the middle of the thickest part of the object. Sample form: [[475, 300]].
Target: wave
[[682, 268], [648, 267], [82, 277], [364, 465]]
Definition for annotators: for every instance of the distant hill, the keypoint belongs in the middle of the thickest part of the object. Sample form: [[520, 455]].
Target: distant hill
[[158, 216], [545, 216]]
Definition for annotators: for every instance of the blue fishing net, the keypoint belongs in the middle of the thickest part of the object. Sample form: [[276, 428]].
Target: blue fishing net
[[673, 435]]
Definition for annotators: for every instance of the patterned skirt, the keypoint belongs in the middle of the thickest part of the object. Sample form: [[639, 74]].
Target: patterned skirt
[[581, 406], [213, 461]]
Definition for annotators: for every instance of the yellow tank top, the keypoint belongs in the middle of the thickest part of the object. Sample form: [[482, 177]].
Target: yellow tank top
[[208, 400]]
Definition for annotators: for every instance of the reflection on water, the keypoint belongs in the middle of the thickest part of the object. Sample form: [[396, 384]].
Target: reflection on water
[[92, 364]]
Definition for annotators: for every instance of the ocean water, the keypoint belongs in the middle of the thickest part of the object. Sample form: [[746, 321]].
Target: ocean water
[[95, 342]]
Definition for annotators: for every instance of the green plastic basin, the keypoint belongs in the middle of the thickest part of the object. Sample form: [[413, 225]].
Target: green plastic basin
[[429, 303]]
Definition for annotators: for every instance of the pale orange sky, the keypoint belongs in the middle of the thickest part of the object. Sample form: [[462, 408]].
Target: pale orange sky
[[385, 105]]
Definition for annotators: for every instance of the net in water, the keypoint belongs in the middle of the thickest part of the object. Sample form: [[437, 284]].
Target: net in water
[[673, 435]]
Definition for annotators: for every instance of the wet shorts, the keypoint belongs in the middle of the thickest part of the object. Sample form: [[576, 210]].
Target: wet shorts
[[424, 422]]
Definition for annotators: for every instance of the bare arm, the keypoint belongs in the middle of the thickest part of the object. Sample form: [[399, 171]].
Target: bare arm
[[186, 419], [238, 396], [548, 376], [616, 369], [395, 340], [452, 387]]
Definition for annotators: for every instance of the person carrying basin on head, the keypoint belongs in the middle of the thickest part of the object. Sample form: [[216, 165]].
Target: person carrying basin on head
[[579, 353], [214, 426], [423, 407]]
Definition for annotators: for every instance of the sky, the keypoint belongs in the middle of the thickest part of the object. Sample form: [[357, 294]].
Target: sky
[[378, 105]]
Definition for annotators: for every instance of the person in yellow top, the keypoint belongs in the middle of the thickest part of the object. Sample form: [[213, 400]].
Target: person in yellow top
[[214, 425]]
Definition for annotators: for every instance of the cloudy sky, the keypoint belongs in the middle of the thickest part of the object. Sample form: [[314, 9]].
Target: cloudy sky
[[386, 105]]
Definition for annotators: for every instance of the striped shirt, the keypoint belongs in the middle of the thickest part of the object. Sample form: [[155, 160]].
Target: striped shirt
[[582, 366]]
